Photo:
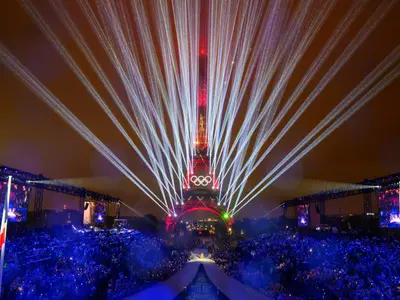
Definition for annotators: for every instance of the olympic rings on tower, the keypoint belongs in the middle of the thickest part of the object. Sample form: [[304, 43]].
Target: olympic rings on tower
[[201, 180]]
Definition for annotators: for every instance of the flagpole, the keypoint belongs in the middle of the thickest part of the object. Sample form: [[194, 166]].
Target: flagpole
[[3, 233]]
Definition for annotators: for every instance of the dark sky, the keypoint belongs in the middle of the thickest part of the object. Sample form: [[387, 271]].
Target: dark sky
[[35, 139]]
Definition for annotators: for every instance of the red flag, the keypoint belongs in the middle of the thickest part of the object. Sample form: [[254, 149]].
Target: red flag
[[2, 234]]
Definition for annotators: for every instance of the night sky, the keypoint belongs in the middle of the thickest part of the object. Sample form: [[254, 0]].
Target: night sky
[[35, 139]]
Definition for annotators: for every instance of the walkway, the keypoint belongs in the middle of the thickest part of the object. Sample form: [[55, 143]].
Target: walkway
[[193, 278], [232, 288], [201, 288]]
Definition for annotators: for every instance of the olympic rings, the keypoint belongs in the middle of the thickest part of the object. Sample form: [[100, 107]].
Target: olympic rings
[[201, 180]]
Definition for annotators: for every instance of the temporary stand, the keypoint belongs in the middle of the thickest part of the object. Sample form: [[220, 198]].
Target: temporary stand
[[41, 183]]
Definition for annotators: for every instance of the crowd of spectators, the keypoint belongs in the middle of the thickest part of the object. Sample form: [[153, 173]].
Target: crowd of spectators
[[87, 264], [287, 265], [97, 263]]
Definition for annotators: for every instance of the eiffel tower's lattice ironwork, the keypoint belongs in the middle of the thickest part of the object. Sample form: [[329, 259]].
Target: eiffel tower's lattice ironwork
[[201, 188]]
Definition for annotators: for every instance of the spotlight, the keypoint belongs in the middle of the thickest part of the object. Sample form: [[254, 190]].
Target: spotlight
[[175, 215], [219, 203]]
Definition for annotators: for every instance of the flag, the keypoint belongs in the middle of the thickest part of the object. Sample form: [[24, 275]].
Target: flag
[[4, 219], [2, 237], [3, 231]]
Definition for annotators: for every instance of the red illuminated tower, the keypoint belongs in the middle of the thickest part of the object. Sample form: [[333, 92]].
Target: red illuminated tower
[[201, 189], [202, 141], [200, 176]]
